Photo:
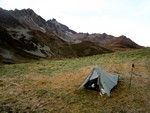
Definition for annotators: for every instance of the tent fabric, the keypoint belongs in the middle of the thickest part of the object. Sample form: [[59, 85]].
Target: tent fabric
[[103, 80]]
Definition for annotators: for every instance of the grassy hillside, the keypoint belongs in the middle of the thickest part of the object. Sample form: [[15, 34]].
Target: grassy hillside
[[51, 85]]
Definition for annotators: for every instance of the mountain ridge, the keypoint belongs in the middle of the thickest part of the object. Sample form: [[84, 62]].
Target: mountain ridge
[[28, 35]]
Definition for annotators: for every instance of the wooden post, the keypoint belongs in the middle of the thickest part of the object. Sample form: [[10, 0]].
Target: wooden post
[[131, 75]]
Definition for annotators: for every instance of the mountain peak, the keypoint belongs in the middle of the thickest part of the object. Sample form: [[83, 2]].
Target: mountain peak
[[30, 19], [27, 11], [53, 19]]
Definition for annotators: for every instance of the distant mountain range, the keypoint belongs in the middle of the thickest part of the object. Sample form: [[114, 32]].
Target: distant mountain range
[[26, 35]]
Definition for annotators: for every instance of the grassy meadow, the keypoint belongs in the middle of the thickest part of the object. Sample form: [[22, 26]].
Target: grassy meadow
[[51, 85]]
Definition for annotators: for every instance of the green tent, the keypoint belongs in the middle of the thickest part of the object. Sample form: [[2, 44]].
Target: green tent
[[98, 80]]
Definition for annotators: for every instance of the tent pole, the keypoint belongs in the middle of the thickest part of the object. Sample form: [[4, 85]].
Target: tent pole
[[131, 76]]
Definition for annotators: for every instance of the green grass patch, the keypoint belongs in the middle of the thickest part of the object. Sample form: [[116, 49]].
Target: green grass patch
[[51, 85]]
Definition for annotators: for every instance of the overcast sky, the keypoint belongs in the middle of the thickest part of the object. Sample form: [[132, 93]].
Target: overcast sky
[[116, 17]]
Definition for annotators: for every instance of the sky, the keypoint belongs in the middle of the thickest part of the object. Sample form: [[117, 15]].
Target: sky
[[115, 17]]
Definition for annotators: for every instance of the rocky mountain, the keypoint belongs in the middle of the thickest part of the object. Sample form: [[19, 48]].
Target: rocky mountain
[[28, 18], [26, 35], [19, 40], [108, 41], [61, 30], [103, 40]]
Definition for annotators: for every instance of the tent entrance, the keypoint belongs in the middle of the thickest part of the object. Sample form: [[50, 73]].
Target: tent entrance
[[92, 84]]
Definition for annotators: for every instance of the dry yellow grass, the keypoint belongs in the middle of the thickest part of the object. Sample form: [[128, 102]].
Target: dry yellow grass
[[41, 90]]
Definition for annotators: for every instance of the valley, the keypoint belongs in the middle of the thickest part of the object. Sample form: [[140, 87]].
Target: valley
[[51, 85]]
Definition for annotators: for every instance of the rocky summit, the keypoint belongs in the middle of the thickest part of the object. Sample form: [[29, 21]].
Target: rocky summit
[[25, 35]]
